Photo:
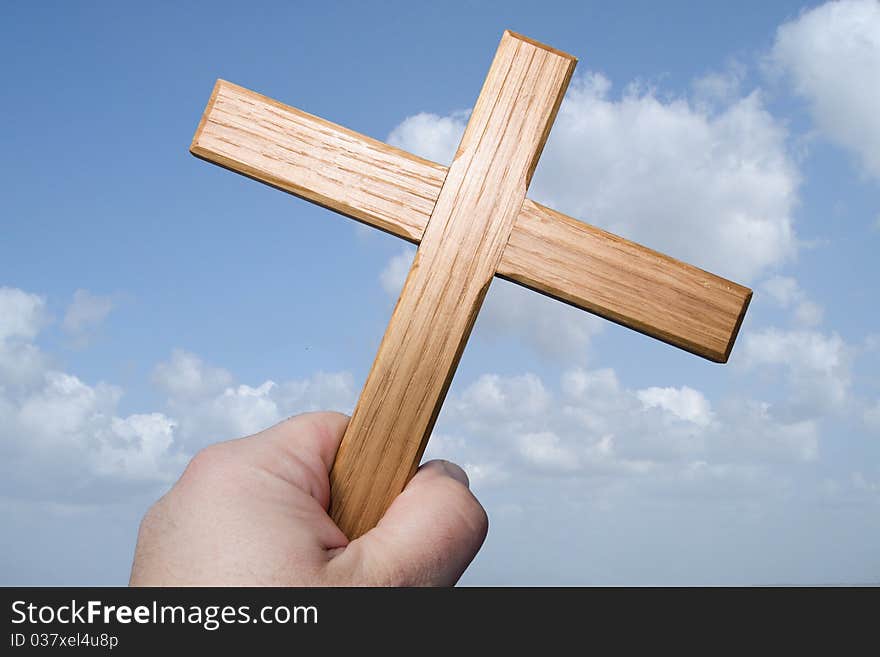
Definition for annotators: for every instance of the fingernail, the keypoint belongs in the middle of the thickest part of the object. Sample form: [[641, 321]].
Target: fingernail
[[456, 473]]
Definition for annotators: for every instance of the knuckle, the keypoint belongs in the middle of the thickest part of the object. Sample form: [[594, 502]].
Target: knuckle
[[152, 520], [466, 511], [207, 462], [373, 567], [392, 574]]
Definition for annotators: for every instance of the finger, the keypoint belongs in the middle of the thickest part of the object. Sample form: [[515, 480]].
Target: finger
[[428, 536], [299, 450], [316, 433]]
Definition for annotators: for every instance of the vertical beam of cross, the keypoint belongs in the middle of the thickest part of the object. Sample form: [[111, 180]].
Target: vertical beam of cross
[[458, 256]]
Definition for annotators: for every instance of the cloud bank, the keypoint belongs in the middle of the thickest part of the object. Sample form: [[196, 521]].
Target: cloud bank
[[712, 184], [831, 57]]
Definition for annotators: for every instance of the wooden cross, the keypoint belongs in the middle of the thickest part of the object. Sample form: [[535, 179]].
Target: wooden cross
[[471, 221]]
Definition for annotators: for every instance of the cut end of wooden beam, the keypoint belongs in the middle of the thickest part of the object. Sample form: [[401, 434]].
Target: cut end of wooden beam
[[568, 63], [538, 44], [317, 160], [194, 146], [739, 320]]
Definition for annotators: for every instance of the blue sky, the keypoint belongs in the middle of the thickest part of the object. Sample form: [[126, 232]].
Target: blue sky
[[151, 303]]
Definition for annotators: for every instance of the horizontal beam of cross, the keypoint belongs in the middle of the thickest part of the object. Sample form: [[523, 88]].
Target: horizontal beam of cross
[[396, 191]]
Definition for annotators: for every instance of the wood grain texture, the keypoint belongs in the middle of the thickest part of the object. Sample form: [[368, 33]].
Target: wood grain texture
[[319, 161], [625, 282], [459, 252], [396, 191]]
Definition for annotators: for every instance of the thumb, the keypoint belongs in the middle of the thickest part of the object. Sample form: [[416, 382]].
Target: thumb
[[428, 536]]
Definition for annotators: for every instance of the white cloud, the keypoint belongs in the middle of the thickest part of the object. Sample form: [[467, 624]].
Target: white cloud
[[22, 315], [431, 136], [63, 406], [393, 276], [484, 474], [139, 448], [594, 431], [808, 313], [713, 185], [545, 450], [685, 403], [21, 363], [787, 293], [713, 188], [65, 439], [59, 436], [758, 432], [555, 330], [208, 406], [86, 311], [817, 365], [589, 429], [806, 350], [493, 398], [237, 411], [831, 54], [784, 290], [720, 89], [185, 376]]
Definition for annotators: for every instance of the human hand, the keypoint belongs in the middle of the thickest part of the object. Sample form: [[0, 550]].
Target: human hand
[[253, 512]]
